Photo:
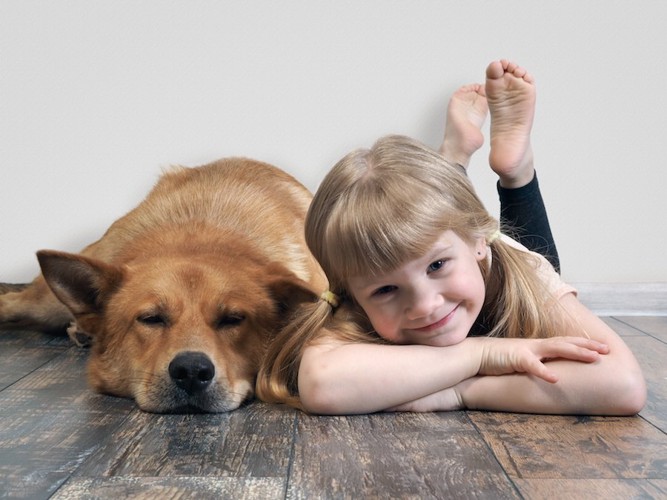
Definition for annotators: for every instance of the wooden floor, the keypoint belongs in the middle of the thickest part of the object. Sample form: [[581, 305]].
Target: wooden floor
[[58, 439]]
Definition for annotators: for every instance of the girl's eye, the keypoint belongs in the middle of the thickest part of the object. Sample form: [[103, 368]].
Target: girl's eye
[[384, 290], [436, 266]]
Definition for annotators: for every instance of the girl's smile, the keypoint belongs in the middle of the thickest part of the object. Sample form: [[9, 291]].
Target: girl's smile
[[431, 300], [438, 324]]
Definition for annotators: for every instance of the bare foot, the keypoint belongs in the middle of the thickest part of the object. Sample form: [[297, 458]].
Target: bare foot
[[466, 113], [510, 92]]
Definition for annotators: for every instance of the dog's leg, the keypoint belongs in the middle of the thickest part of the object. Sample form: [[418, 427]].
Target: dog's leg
[[78, 336], [32, 307], [12, 287]]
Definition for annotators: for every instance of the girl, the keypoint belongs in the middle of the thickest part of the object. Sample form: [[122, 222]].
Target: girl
[[430, 307]]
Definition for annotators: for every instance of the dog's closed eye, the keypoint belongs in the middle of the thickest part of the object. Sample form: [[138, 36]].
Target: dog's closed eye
[[229, 320], [152, 319]]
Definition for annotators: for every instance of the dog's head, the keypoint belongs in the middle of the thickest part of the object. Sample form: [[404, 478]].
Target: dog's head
[[177, 334]]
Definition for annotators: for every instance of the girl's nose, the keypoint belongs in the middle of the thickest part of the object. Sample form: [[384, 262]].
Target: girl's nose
[[422, 303]]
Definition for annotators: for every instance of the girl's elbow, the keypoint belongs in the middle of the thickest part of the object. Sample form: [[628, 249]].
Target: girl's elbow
[[630, 394], [319, 407], [316, 396], [635, 394], [314, 401]]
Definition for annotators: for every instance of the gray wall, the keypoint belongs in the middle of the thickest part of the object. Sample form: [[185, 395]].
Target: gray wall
[[96, 97]]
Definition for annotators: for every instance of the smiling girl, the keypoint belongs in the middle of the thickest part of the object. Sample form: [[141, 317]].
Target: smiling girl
[[430, 307]]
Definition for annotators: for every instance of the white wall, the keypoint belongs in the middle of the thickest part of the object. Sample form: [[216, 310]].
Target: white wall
[[95, 97]]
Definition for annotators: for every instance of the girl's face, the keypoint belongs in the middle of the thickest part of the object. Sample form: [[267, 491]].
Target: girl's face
[[432, 300]]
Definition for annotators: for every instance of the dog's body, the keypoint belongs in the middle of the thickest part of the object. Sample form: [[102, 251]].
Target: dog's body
[[183, 294]]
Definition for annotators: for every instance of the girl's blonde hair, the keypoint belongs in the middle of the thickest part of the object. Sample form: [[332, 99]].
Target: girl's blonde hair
[[374, 211]]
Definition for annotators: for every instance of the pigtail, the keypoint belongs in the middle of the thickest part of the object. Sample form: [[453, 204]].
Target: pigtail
[[277, 381], [517, 303]]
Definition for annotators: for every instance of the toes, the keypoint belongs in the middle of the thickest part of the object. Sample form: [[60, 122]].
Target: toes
[[495, 70], [498, 69]]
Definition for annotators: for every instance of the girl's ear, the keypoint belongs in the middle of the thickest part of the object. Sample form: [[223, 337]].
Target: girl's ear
[[481, 249]]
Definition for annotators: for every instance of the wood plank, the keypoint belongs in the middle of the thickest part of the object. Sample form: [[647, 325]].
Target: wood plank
[[253, 441], [621, 328], [29, 338], [408, 455], [656, 326], [165, 488], [558, 489], [22, 352], [570, 447], [59, 438], [645, 337], [652, 357], [51, 422]]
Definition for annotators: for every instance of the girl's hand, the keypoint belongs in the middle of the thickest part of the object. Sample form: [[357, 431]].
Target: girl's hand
[[503, 356]]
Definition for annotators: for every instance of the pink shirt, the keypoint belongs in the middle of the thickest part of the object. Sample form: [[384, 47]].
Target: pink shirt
[[545, 270]]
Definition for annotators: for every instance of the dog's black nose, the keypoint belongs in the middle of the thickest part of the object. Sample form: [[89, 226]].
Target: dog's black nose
[[192, 371]]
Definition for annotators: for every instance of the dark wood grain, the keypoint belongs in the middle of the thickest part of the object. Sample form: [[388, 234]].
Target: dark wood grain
[[569, 447], [560, 489], [24, 352], [394, 456], [166, 488], [59, 439], [254, 441], [51, 423]]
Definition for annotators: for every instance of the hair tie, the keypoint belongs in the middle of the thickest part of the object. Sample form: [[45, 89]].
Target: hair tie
[[330, 298], [493, 237]]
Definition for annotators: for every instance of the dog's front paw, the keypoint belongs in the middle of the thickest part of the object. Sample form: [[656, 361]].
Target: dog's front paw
[[79, 337]]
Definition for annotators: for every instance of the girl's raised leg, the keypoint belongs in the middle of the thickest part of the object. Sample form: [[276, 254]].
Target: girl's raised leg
[[510, 92]]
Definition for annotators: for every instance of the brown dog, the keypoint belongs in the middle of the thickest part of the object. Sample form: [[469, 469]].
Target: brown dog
[[183, 294]]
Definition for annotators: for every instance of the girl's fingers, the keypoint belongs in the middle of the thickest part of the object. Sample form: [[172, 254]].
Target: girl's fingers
[[537, 368], [570, 348], [583, 342], [574, 348]]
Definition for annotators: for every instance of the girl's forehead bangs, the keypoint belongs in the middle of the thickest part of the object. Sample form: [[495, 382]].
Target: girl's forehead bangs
[[380, 225]]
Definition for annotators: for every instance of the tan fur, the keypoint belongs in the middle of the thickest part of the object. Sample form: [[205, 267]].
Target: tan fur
[[207, 267]]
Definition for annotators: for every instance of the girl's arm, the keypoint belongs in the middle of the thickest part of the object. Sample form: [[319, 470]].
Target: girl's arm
[[612, 385], [343, 378]]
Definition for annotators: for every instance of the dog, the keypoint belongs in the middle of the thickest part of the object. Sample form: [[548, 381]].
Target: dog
[[181, 297]]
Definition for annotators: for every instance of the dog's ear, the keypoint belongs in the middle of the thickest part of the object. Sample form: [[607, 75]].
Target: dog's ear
[[81, 283], [287, 289]]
